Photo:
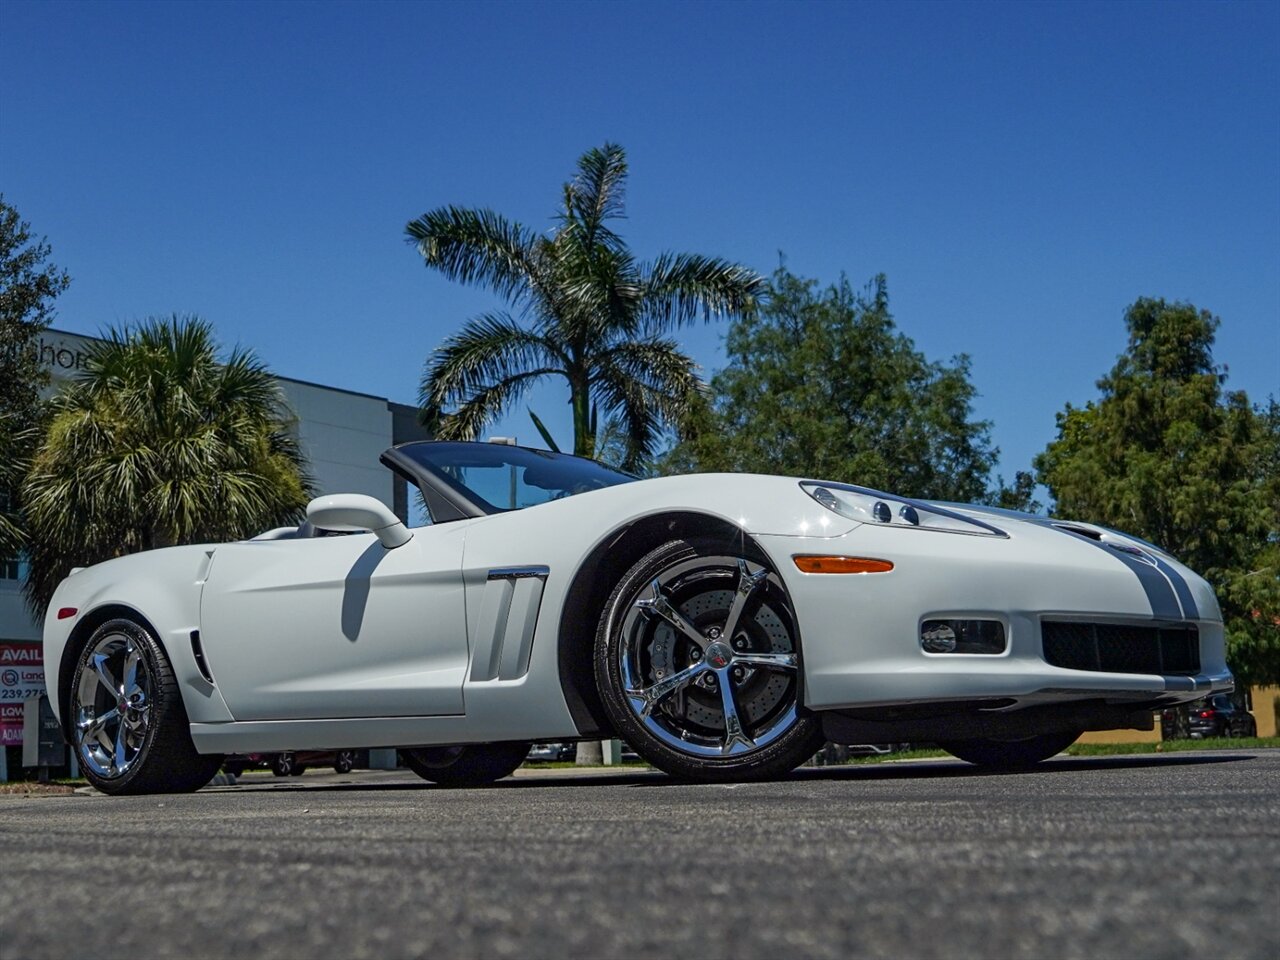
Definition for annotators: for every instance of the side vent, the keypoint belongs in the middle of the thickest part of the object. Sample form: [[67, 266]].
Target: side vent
[[197, 651], [508, 616]]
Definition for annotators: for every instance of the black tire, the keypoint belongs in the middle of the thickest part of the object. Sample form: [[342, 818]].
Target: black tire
[[344, 761], [1007, 754], [298, 770], [151, 749], [236, 768], [284, 765], [682, 730], [472, 765]]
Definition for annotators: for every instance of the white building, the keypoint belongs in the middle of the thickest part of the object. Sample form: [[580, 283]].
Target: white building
[[342, 434]]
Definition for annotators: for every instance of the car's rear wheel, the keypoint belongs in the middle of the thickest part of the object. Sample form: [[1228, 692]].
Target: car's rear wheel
[[1011, 752], [284, 765], [127, 719], [471, 765], [344, 761], [697, 660]]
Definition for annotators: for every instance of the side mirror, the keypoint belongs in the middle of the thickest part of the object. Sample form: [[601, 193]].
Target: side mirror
[[357, 513]]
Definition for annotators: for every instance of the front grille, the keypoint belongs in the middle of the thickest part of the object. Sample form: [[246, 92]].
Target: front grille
[[1122, 647]]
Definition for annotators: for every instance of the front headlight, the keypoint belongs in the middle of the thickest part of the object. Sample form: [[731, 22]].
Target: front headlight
[[881, 509]]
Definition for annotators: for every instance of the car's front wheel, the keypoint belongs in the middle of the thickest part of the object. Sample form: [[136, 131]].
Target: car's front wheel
[[1009, 753], [697, 660], [470, 765], [127, 719]]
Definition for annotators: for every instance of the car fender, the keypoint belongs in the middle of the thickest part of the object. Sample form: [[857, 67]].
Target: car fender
[[161, 587]]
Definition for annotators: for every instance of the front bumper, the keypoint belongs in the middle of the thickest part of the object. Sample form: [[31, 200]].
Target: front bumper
[[860, 632]]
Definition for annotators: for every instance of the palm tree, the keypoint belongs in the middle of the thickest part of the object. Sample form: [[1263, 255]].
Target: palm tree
[[585, 311], [157, 443]]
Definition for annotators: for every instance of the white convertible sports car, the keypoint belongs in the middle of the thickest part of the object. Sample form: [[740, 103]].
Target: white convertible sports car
[[724, 625]]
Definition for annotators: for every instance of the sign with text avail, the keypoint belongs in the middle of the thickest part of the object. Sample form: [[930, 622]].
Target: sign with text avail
[[21, 676]]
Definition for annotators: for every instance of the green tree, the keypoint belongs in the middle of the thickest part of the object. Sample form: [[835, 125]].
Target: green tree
[[585, 311], [157, 443], [1167, 454], [28, 287], [820, 383]]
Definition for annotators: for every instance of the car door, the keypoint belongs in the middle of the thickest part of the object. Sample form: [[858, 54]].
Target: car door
[[336, 627]]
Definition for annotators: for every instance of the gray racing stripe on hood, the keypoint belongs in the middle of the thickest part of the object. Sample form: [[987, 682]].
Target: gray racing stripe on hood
[[1160, 594], [1189, 609]]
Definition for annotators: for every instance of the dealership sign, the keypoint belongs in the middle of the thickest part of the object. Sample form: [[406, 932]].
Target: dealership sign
[[21, 677]]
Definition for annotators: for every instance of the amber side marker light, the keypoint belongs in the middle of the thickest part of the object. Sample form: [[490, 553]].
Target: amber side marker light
[[65, 612], [808, 563]]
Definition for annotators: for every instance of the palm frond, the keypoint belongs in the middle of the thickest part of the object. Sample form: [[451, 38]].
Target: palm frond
[[645, 384], [678, 289], [630, 406], [546, 434], [485, 405], [598, 191], [480, 247], [601, 293], [487, 350]]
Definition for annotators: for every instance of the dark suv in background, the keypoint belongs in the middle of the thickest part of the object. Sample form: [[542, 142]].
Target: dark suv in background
[[1215, 716]]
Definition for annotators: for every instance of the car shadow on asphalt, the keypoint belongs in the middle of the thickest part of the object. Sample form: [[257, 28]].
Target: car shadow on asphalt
[[409, 782], [856, 772]]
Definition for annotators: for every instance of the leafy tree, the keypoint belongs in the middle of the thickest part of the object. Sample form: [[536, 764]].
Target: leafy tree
[[585, 311], [1018, 496], [28, 287], [1167, 454], [157, 443], [820, 383]]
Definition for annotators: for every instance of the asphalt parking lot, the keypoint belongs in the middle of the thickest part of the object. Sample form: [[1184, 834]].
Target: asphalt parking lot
[[1145, 856]]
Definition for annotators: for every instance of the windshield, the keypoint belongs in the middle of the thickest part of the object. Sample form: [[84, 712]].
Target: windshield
[[498, 477]]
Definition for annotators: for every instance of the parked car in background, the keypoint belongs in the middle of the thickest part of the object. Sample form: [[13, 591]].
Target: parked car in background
[[291, 764], [1215, 716], [552, 753]]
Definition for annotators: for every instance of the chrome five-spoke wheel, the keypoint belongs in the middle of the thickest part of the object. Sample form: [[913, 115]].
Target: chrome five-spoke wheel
[[112, 706], [702, 666], [126, 718]]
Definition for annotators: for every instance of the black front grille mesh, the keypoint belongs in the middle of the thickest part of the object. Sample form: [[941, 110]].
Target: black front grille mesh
[[1122, 647]]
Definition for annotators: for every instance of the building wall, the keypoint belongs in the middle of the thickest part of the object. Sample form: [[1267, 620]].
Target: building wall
[[342, 435]]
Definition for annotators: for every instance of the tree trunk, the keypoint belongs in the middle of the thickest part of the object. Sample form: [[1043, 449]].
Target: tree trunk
[[584, 441]]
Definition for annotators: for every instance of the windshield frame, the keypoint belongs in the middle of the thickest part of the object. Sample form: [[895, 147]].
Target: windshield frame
[[448, 499]]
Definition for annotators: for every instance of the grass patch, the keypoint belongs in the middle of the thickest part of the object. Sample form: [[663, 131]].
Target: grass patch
[[1173, 746], [922, 753], [573, 765], [31, 788], [1105, 749]]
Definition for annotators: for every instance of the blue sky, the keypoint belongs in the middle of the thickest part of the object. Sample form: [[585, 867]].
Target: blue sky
[[1021, 172]]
